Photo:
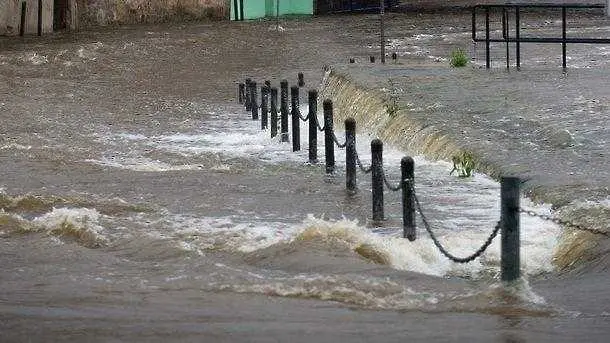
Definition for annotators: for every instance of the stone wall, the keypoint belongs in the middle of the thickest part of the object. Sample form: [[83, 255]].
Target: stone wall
[[109, 12]]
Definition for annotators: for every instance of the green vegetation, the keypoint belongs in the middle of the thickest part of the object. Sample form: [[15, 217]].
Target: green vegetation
[[463, 164], [458, 58]]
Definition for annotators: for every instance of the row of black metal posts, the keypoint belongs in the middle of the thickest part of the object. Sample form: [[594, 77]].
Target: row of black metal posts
[[247, 94]]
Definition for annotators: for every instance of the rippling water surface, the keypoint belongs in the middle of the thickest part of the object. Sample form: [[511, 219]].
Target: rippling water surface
[[141, 203]]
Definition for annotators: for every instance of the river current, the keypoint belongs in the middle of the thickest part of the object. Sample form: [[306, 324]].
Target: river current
[[140, 202]]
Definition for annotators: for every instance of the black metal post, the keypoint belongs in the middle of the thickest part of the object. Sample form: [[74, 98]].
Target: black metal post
[[407, 168], [296, 121], [350, 155], [301, 80], [382, 34], [241, 92], [372, 59], [284, 110], [248, 95], [510, 264], [329, 143], [377, 178], [40, 17], [235, 9], [506, 36], [268, 84], [474, 23], [264, 107], [23, 13], [241, 9], [563, 36], [517, 36], [254, 104], [273, 112], [487, 57], [313, 127]]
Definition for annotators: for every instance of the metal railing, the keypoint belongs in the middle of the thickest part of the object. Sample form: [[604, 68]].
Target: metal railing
[[516, 8]]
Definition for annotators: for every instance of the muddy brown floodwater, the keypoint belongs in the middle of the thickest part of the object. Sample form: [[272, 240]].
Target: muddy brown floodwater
[[141, 204]]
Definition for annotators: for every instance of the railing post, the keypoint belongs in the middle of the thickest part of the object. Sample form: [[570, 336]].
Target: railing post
[[377, 178], [487, 57], [254, 103], [506, 36], [273, 112], [474, 23], [313, 127], [296, 121], [329, 143], [518, 36], [301, 80], [264, 106], [284, 110], [241, 93], [563, 36], [248, 94], [509, 193], [350, 155], [407, 171]]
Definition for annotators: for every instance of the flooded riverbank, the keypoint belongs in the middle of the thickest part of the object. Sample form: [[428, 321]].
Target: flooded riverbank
[[141, 203]]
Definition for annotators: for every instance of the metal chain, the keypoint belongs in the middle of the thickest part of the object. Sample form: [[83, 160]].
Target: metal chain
[[563, 222], [364, 170], [303, 118], [341, 146], [320, 128], [467, 259], [387, 183]]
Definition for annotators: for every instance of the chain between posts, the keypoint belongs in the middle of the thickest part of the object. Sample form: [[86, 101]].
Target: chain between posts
[[564, 223], [389, 185], [341, 146], [438, 244], [361, 166], [305, 118]]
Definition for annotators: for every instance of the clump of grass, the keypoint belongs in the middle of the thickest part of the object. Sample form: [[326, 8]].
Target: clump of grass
[[458, 58], [463, 164]]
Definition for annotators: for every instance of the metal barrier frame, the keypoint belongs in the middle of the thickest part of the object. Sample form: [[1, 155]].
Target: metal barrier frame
[[564, 40]]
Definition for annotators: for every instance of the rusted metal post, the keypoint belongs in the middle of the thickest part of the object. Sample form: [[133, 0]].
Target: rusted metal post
[[407, 167], [241, 93], [329, 143], [350, 155], [313, 126], [273, 112], [377, 178], [296, 120], [248, 103], [254, 104], [264, 107], [284, 110], [509, 193]]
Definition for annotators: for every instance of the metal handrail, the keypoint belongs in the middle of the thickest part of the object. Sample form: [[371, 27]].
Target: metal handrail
[[517, 39]]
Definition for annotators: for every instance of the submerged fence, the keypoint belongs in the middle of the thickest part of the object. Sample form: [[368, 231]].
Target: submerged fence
[[507, 226]]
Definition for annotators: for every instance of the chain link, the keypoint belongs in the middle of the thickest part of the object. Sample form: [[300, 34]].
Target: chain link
[[438, 244], [362, 168], [341, 146], [320, 128], [563, 222], [390, 187], [305, 118]]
